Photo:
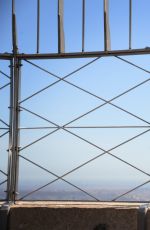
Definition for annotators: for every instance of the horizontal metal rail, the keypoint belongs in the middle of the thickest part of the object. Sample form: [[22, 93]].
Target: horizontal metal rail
[[85, 54], [90, 127], [91, 54], [6, 56], [4, 128]]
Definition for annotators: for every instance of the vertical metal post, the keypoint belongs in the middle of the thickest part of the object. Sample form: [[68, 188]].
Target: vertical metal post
[[38, 25], [83, 24], [16, 133], [130, 24], [14, 29], [107, 43], [10, 134], [13, 162], [61, 37]]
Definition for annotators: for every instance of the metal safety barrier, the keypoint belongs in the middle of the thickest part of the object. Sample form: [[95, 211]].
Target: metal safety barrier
[[18, 61]]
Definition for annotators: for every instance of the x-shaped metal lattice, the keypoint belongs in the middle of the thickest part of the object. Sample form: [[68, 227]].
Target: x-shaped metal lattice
[[5, 127], [67, 128]]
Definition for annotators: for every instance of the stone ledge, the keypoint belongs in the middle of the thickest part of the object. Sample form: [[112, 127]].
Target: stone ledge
[[73, 216]]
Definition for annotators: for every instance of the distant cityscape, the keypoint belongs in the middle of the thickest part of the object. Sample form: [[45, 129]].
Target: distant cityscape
[[75, 195]]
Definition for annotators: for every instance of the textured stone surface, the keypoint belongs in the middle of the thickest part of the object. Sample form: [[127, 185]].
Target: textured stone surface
[[148, 220], [73, 216]]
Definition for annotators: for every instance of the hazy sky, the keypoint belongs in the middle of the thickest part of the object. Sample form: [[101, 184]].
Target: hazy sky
[[107, 78]]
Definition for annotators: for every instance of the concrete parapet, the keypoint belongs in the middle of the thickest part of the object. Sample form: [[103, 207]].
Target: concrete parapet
[[73, 216]]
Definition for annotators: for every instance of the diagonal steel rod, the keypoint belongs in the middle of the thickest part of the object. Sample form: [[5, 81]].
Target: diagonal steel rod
[[128, 62], [4, 134], [39, 139], [134, 65], [3, 182], [4, 86], [40, 91], [39, 116], [3, 172], [4, 122], [133, 189], [60, 79], [4, 74], [94, 145], [54, 174], [106, 101]]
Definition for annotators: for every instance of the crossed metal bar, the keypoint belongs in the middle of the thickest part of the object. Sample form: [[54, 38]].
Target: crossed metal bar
[[65, 128], [85, 163], [86, 91], [54, 75]]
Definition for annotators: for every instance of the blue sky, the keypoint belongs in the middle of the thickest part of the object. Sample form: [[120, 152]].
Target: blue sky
[[107, 78]]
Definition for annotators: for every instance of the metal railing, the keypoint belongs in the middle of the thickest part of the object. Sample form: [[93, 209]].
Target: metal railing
[[18, 106]]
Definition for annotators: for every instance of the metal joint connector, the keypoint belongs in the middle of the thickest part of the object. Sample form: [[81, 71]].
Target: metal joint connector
[[15, 193], [18, 109], [17, 148], [18, 65], [11, 66]]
